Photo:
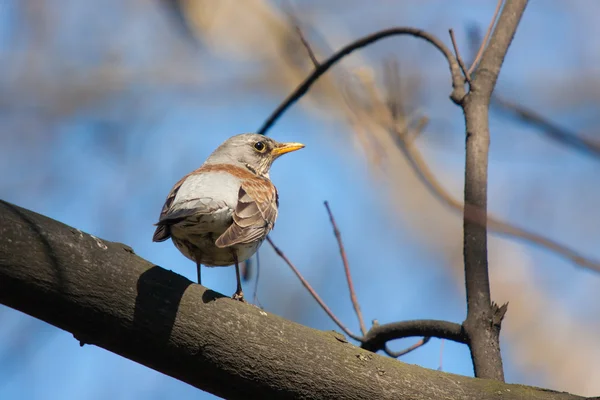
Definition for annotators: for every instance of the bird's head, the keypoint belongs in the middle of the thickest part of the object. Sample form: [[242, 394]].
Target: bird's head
[[252, 151]]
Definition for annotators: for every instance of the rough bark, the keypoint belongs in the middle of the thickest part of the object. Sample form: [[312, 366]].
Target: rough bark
[[107, 296]]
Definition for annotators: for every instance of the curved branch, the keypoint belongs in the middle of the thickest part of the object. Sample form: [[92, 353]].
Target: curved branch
[[458, 80], [379, 335], [397, 354]]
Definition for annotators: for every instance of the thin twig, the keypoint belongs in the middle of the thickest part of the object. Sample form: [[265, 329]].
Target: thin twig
[[309, 50], [312, 292], [353, 298], [396, 354], [255, 297], [294, 21], [419, 127], [486, 37], [461, 63], [458, 79], [391, 80], [440, 366]]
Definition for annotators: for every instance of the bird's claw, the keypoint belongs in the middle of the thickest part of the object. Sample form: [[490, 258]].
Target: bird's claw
[[239, 296]]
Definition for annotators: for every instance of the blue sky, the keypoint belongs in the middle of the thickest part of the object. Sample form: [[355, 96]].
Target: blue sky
[[106, 166]]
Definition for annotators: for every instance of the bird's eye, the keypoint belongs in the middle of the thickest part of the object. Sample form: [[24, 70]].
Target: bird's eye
[[260, 146]]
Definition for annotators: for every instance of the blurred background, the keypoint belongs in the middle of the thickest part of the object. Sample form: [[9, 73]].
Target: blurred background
[[105, 105]]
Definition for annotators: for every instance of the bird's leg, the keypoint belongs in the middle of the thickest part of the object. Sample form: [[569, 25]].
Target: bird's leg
[[198, 266], [239, 294]]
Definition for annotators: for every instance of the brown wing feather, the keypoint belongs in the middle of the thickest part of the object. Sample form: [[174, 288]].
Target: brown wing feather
[[254, 214], [163, 230]]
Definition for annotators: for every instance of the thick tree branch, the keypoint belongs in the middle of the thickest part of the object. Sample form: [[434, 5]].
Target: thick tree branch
[[107, 296], [483, 318]]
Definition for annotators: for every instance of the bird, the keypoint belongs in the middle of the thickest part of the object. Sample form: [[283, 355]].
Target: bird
[[220, 214]]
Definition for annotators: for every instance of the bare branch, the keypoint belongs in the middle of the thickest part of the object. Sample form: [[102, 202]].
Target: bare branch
[[458, 80], [255, 300], [482, 332], [461, 63], [379, 335], [353, 298], [312, 292], [441, 360], [486, 37], [396, 354], [308, 48], [287, 6], [552, 130]]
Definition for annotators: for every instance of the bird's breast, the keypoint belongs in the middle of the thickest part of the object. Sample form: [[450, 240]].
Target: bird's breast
[[220, 186]]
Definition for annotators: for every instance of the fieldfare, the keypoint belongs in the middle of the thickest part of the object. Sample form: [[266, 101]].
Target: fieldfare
[[220, 214]]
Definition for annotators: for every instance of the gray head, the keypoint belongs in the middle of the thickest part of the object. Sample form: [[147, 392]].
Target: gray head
[[252, 151]]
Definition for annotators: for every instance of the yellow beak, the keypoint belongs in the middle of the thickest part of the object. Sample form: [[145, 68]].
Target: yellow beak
[[283, 148]]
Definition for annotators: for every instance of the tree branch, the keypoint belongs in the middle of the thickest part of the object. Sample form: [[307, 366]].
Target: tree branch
[[486, 37], [483, 318], [379, 335], [107, 296], [461, 63], [353, 298], [458, 80], [312, 292], [403, 352], [550, 129]]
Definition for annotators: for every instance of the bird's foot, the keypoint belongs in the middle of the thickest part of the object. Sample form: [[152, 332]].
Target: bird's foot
[[239, 296]]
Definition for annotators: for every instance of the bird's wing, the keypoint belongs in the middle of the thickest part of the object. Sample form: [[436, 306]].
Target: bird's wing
[[254, 214], [175, 212], [163, 232]]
